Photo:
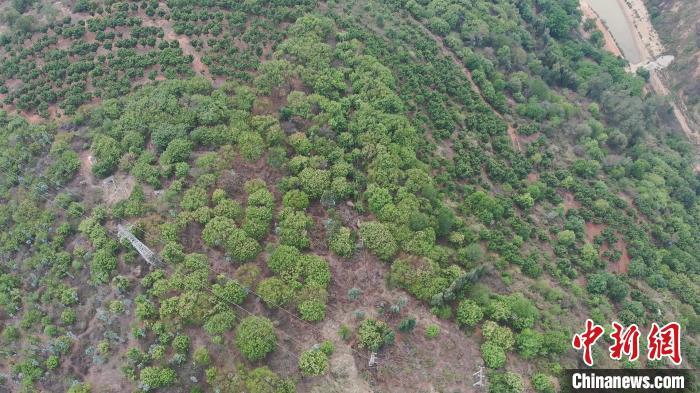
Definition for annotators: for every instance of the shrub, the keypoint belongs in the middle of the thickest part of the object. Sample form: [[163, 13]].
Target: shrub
[[261, 379], [327, 347], [312, 310], [566, 237], [52, 362], [469, 313], [231, 291], [156, 377], [542, 383], [80, 388], [313, 362], [255, 337], [201, 357], [529, 343], [432, 331], [407, 324], [341, 242], [220, 323], [181, 344], [374, 334]]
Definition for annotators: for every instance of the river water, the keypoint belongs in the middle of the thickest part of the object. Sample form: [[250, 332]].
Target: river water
[[610, 11]]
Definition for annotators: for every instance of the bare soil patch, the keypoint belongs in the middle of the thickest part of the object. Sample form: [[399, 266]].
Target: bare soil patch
[[114, 188], [570, 202], [593, 230]]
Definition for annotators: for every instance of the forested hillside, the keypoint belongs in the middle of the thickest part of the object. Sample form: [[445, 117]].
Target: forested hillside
[[445, 184]]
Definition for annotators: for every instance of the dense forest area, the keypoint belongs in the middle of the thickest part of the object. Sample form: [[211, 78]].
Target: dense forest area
[[444, 184]]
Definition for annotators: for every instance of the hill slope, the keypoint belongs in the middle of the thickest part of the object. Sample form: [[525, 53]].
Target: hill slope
[[444, 185]]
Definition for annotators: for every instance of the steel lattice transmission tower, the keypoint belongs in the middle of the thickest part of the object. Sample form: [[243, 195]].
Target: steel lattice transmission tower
[[144, 251]]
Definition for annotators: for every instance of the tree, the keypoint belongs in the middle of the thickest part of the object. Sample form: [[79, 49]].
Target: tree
[[194, 198], [493, 355], [103, 264], [251, 145], [498, 335], [217, 230], [378, 239], [271, 74], [295, 199], [255, 337], [107, 154], [285, 262], [313, 362], [65, 167], [257, 221], [469, 313], [274, 292], [529, 343], [314, 182], [163, 134], [178, 150], [507, 382], [240, 247]]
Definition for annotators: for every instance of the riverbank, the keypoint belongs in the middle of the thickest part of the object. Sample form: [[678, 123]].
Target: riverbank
[[648, 44], [646, 38], [608, 40]]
